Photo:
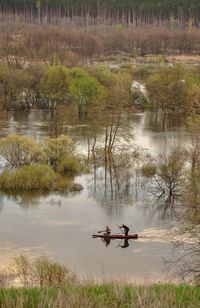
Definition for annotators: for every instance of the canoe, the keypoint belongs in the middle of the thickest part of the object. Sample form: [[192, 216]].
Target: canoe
[[116, 236]]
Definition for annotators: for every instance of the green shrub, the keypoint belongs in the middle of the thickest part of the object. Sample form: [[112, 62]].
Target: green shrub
[[148, 171], [58, 150], [69, 166], [33, 177]]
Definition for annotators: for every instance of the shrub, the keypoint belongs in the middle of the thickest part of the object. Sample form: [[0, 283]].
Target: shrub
[[41, 272], [55, 83], [18, 151], [148, 170], [69, 166], [35, 177], [58, 150]]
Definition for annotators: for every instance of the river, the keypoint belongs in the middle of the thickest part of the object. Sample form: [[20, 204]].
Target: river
[[61, 226]]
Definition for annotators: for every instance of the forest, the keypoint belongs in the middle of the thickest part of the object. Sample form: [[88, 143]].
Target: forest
[[173, 13]]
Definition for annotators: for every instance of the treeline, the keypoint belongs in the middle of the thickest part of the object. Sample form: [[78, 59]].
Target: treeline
[[98, 88], [181, 13], [73, 45], [87, 91]]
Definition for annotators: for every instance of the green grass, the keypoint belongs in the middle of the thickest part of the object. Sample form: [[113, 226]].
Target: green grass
[[102, 296]]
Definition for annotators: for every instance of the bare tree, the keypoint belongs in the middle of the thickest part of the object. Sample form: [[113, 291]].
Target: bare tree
[[166, 175]]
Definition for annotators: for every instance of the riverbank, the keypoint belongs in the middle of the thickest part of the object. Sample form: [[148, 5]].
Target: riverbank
[[105, 295]]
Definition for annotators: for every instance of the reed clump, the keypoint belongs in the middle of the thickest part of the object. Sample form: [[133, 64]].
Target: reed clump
[[36, 177]]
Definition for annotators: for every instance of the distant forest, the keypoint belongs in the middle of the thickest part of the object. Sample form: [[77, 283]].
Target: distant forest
[[172, 13]]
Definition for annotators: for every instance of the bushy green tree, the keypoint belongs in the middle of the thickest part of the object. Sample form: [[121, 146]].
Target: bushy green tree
[[14, 84], [55, 84], [86, 92], [168, 89]]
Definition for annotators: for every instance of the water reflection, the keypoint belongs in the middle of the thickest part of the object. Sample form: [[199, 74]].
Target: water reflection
[[27, 200], [115, 177], [125, 244], [166, 210], [107, 242], [148, 127], [112, 194], [162, 122]]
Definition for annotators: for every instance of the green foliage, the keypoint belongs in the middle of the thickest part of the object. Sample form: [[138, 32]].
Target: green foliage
[[68, 165], [119, 96], [18, 151], [59, 151], [55, 83], [86, 92], [77, 73], [103, 295], [33, 177], [104, 75], [14, 83], [26, 156], [168, 89], [148, 170]]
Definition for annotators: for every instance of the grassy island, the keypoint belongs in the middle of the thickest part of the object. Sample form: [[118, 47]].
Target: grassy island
[[48, 165]]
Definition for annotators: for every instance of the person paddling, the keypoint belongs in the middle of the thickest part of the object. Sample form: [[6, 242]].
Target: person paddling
[[106, 232], [126, 229]]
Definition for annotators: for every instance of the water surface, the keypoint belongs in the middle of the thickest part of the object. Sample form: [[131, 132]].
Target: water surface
[[61, 226]]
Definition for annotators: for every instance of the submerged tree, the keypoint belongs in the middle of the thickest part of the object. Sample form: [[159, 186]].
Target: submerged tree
[[86, 92], [168, 89], [118, 101], [14, 87], [55, 84], [193, 153], [166, 175]]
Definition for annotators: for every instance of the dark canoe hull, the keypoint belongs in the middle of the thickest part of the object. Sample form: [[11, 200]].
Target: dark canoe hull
[[116, 236]]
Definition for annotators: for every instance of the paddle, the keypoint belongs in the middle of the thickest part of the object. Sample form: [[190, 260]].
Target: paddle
[[120, 229]]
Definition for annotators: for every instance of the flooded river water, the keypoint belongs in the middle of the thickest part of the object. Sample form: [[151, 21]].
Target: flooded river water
[[61, 226]]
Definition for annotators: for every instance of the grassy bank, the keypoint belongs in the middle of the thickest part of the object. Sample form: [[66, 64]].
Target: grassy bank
[[110, 295]]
